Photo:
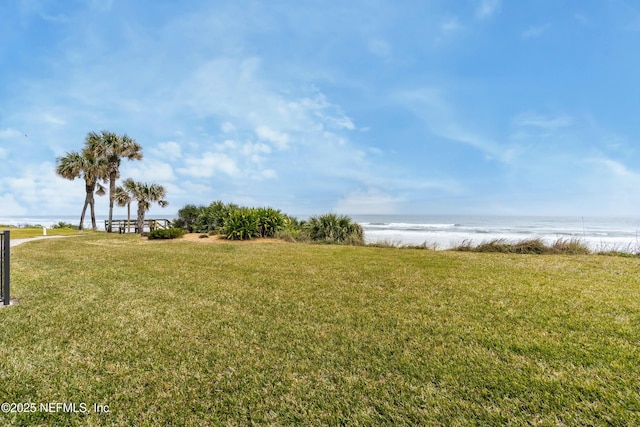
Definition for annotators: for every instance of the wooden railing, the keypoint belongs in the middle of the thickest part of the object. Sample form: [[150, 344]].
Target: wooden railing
[[123, 226]]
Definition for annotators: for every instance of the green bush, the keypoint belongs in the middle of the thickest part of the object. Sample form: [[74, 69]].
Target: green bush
[[166, 233], [188, 217], [293, 230], [63, 224], [212, 219], [332, 228], [204, 219], [270, 221], [241, 224], [293, 235]]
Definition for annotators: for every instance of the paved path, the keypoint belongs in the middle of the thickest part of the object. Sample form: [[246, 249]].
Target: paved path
[[16, 242]]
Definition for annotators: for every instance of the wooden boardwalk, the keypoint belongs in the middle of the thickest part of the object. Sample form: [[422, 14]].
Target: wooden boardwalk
[[123, 226]]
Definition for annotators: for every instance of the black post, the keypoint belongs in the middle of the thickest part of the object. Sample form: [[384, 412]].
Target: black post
[[6, 252]]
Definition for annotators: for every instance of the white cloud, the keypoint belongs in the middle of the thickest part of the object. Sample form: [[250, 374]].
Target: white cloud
[[250, 149], [372, 201], [150, 170], [319, 113], [581, 18], [3, 153], [10, 206], [169, 148], [238, 92], [51, 119], [269, 173], [430, 105], [341, 122], [38, 190], [228, 144], [616, 168], [210, 164], [10, 133], [450, 25], [612, 186], [543, 122], [227, 127], [487, 8], [102, 5], [380, 48], [535, 31], [280, 139]]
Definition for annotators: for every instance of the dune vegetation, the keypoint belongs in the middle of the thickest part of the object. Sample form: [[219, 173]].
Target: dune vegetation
[[175, 332], [244, 223]]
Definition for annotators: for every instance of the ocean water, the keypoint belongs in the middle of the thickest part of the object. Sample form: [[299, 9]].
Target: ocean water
[[446, 231]]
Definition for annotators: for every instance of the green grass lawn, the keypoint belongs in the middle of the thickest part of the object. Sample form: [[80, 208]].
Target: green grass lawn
[[187, 333]]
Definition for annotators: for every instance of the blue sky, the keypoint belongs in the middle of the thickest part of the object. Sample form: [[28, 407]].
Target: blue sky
[[390, 107]]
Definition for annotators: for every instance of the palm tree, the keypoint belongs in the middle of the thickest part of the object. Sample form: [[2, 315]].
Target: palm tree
[[89, 167], [113, 148], [145, 194], [124, 198]]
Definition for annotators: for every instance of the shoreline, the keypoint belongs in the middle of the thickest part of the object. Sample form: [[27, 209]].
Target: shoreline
[[444, 232]]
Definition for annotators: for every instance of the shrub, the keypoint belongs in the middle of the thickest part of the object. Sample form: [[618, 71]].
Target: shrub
[[497, 245], [166, 233], [293, 235], [386, 244], [213, 218], [270, 221], [204, 219], [242, 224], [573, 246], [332, 228], [63, 224], [530, 246], [527, 246], [424, 245], [188, 217], [465, 246], [293, 230]]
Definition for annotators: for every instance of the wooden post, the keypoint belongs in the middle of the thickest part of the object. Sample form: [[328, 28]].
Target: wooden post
[[6, 274]]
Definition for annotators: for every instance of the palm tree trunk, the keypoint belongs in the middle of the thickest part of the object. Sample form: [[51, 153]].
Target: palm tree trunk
[[140, 221], [112, 196], [129, 217], [92, 203], [84, 211], [88, 201]]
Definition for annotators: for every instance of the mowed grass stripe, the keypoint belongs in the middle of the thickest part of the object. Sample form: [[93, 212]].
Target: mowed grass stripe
[[175, 332]]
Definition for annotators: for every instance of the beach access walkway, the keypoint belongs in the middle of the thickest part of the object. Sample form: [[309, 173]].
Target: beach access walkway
[[124, 226], [16, 242]]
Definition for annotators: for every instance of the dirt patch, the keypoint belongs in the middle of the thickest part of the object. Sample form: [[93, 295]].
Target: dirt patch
[[195, 237]]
